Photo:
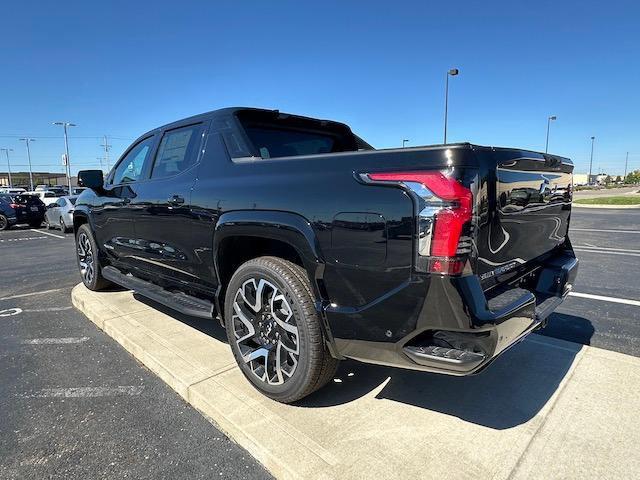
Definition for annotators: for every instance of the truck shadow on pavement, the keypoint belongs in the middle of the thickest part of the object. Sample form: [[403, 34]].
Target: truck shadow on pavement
[[507, 394]]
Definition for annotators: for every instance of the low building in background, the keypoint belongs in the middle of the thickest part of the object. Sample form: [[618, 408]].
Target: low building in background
[[21, 179], [580, 178]]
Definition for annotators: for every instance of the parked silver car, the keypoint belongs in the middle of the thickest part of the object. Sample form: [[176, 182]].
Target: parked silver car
[[60, 213]]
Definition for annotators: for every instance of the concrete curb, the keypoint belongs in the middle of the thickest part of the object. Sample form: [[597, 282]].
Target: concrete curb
[[386, 423]]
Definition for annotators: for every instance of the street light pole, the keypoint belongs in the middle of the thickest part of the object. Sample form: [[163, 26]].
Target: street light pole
[[6, 151], [66, 149], [546, 146], [453, 72], [626, 162], [27, 141], [404, 141], [591, 161]]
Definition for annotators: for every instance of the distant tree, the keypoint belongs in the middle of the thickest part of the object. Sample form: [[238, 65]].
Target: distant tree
[[633, 177], [618, 179], [607, 179]]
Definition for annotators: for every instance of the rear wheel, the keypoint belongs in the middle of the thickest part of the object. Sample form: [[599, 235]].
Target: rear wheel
[[274, 330], [4, 223], [88, 260]]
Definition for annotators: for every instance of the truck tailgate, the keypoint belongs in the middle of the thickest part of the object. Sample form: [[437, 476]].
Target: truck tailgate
[[532, 196]]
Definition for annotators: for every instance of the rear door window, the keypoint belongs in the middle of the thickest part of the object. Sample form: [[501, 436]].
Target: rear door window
[[178, 151]]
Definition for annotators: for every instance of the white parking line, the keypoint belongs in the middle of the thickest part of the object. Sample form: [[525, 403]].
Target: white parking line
[[54, 341], [22, 295], [79, 392], [46, 233], [571, 229], [49, 309], [607, 248], [605, 252], [625, 301], [20, 239]]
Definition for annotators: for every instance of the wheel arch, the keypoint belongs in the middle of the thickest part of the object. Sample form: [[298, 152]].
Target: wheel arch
[[282, 234], [80, 218]]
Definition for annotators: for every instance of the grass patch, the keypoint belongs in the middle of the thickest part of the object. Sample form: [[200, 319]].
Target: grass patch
[[626, 200]]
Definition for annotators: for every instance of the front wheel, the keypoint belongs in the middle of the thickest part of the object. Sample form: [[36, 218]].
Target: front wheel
[[88, 260], [63, 226], [274, 329]]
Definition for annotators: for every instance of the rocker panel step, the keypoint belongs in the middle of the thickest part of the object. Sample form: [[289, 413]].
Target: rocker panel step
[[180, 302]]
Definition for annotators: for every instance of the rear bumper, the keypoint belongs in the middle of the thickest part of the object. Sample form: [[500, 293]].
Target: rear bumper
[[480, 327]]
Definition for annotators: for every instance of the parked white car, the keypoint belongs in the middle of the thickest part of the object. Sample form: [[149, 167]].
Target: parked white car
[[60, 213], [48, 197], [12, 191]]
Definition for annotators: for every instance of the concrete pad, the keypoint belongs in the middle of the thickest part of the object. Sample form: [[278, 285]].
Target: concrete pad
[[593, 432], [391, 423]]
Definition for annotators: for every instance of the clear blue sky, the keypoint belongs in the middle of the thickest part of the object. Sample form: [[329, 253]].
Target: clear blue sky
[[121, 68]]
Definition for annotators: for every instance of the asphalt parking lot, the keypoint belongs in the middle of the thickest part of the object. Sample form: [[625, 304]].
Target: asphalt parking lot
[[74, 403]]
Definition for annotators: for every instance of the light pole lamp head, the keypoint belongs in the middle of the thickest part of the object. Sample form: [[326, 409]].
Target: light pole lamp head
[[593, 138], [553, 117], [453, 72], [65, 124]]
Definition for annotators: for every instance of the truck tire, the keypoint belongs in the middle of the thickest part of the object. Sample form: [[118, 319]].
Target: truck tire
[[88, 257], [274, 329]]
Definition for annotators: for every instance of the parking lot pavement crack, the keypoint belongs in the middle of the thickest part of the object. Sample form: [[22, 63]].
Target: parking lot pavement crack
[[549, 412]]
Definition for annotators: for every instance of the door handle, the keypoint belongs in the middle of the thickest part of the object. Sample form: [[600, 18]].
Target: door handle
[[176, 200]]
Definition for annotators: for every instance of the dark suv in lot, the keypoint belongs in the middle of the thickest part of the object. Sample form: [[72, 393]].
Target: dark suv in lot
[[310, 246], [22, 208]]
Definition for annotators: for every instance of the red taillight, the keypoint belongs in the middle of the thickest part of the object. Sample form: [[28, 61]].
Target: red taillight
[[15, 205], [447, 208]]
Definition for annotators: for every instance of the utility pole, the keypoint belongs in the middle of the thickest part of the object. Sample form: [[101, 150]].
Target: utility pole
[[453, 72], [27, 141], [546, 146], [591, 161], [626, 162], [106, 152], [7, 150], [66, 149]]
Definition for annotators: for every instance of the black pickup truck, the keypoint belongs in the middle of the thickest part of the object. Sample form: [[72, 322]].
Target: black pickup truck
[[311, 246]]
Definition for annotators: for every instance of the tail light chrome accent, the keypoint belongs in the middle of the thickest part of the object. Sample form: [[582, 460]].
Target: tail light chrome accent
[[444, 207]]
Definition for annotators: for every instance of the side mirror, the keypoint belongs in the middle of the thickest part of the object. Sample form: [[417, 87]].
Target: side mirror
[[91, 179]]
